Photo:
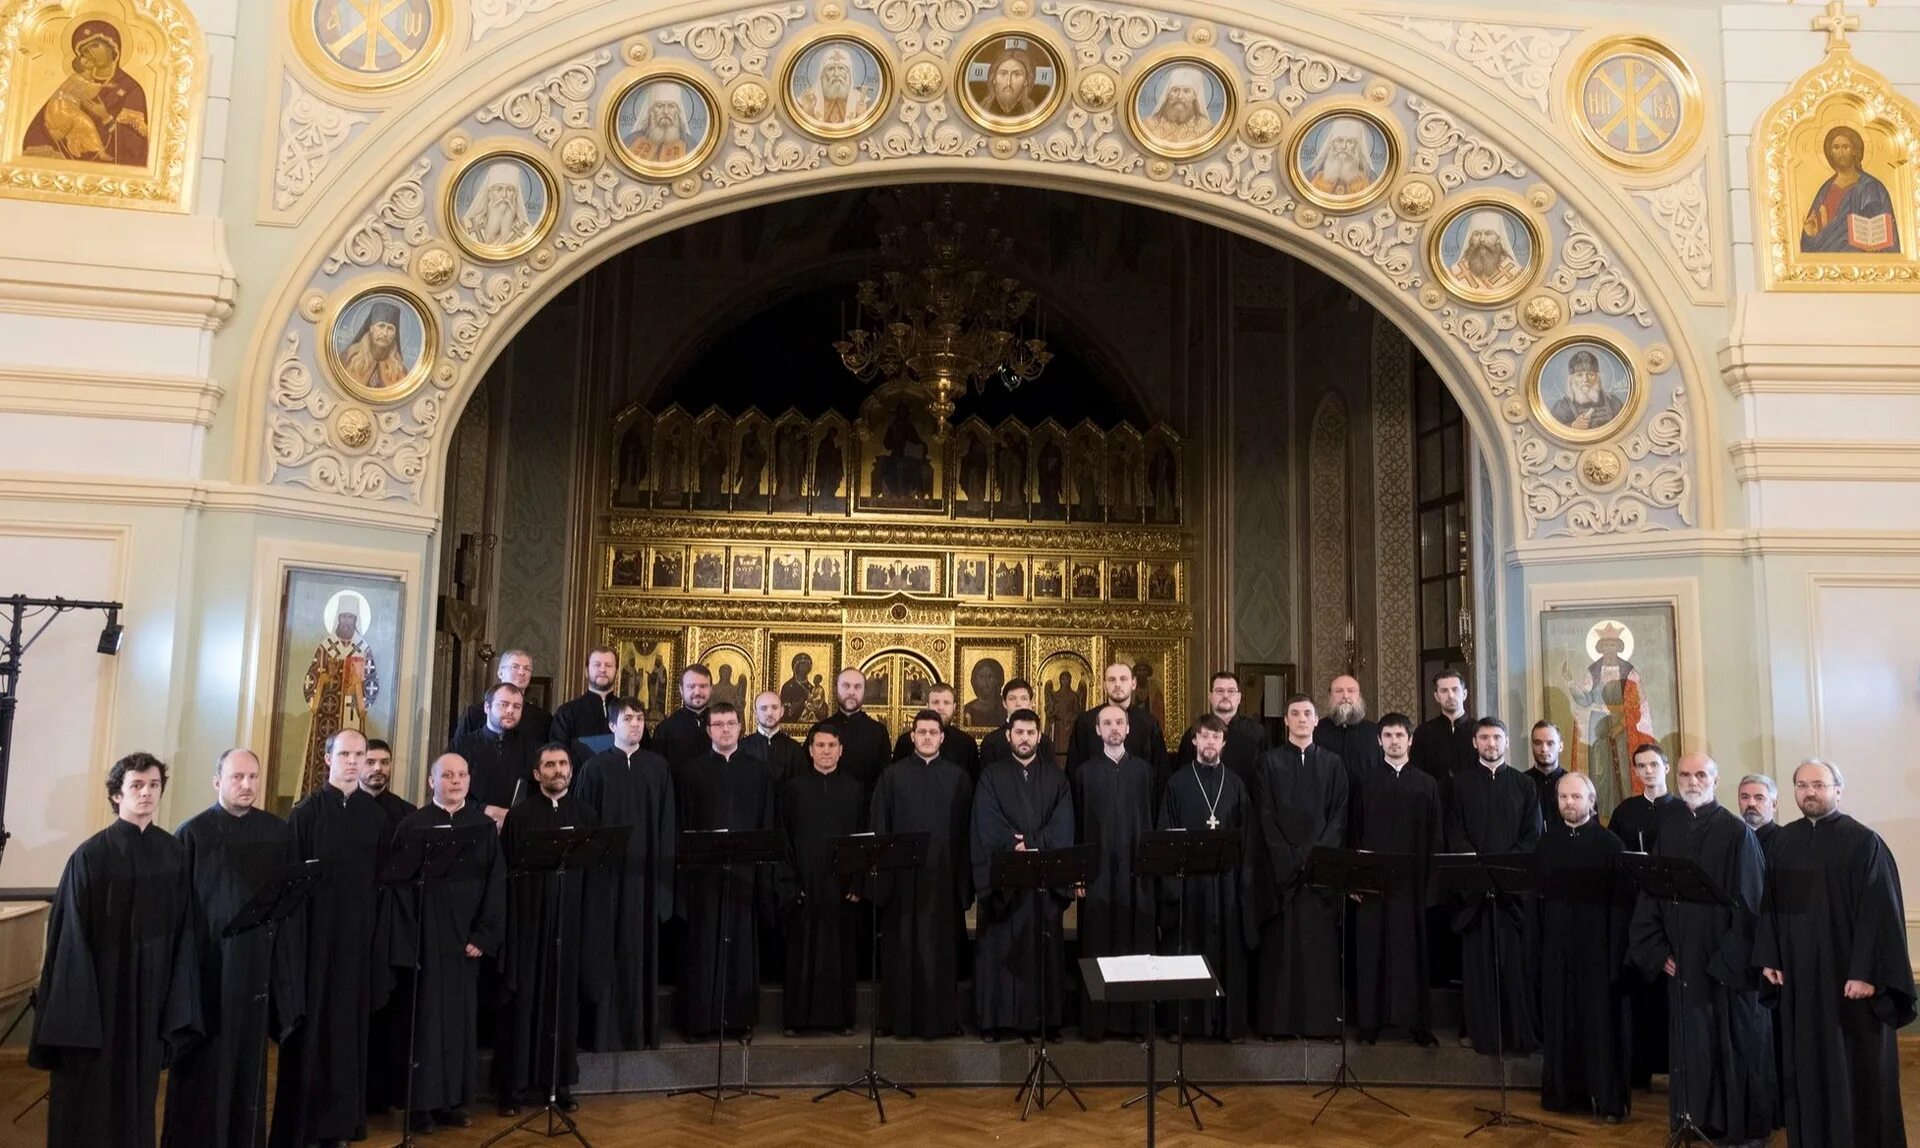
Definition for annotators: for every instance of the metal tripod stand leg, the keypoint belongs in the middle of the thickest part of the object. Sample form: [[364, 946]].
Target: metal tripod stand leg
[[1502, 1117], [1344, 1079], [870, 1082]]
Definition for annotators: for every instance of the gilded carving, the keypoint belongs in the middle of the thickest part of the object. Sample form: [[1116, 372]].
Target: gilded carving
[[370, 47], [1264, 126], [1635, 103], [311, 131], [579, 155], [354, 428]]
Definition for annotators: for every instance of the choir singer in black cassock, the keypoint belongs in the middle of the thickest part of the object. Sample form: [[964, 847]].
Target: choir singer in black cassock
[[119, 991], [1222, 916], [682, 735], [784, 756], [1247, 740], [630, 786], [1443, 745], [1015, 696], [1636, 822], [1544, 741], [863, 738], [500, 755], [1720, 1037], [217, 1089], [1395, 810], [1833, 911], [388, 1024], [451, 924], [1021, 806], [1302, 806], [956, 744], [818, 906], [514, 666], [1495, 811], [586, 715], [320, 1091], [923, 911], [1585, 906], [1144, 739], [540, 904], [1346, 730], [1113, 798], [726, 789]]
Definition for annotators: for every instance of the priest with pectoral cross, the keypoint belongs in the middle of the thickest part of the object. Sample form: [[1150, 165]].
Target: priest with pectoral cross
[[1222, 919]]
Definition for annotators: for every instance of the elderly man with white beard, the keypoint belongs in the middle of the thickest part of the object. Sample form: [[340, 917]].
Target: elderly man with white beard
[[1181, 115], [1586, 405], [498, 216], [661, 134], [833, 99], [1487, 261], [1345, 163]]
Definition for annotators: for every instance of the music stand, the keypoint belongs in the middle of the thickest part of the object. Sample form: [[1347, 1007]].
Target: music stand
[[1179, 854], [1678, 881], [1038, 871], [422, 854], [1344, 872], [1490, 877], [559, 851], [726, 849], [870, 854], [280, 898], [1149, 979]]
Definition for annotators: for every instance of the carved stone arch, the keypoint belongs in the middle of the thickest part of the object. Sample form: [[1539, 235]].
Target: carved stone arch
[[1329, 542]]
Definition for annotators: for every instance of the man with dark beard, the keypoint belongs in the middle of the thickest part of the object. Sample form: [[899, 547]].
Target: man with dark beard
[[586, 715], [818, 806], [1495, 811], [1011, 85], [1247, 739], [1636, 822], [1345, 729], [1720, 1037], [501, 756], [956, 744], [1545, 773], [376, 778], [682, 735], [1113, 797], [1144, 739], [1015, 696], [1443, 745], [1215, 915], [1302, 806], [1396, 810], [514, 666], [1833, 907], [863, 739]]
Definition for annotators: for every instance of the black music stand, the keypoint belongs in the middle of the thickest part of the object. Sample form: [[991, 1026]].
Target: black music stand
[[869, 855], [1039, 871], [271, 904], [1150, 980], [1345, 872], [1489, 878], [1179, 854], [725, 850], [559, 851], [422, 854], [1678, 881]]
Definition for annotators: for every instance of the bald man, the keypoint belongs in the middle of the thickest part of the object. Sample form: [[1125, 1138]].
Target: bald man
[[864, 744], [784, 756]]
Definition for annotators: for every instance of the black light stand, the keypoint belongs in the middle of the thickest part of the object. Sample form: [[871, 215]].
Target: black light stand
[[869, 854], [17, 606], [1344, 872]]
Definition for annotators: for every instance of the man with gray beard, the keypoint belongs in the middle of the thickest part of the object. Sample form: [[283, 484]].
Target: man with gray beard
[[1181, 115], [833, 99], [662, 131], [1586, 405], [1759, 797], [1344, 163], [1345, 729], [1487, 262]]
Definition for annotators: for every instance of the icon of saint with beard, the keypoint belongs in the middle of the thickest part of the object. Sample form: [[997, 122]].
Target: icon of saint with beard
[[1586, 405], [660, 135], [1487, 262], [834, 100], [1181, 115], [498, 215], [1345, 163]]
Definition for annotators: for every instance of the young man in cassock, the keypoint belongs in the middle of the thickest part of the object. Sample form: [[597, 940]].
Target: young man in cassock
[[586, 715], [923, 911], [376, 778], [217, 1090], [539, 905], [784, 756], [500, 755], [119, 990], [1019, 806], [449, 926], [1545, 772], [725, 789], [1585, 906], [1495, 811], [819, 907], [956, 744], [1833, 909], [1113, 797], [1443, 745], [1395, 810], [1302, 805], [682, 735], [1144, 739], [387, 1026], [1345, 729], [1720, 1037], [320, 1092], [1636, 822], [514, 666], [630, 786], [863, 739], [1015, 696], [1214, 915], [1247, 740]]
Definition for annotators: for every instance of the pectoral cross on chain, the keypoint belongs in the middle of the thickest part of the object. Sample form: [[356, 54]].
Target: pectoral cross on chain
[[1213, 822]]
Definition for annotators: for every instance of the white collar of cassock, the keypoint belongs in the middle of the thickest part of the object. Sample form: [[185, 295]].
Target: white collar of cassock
[[1114, 752]]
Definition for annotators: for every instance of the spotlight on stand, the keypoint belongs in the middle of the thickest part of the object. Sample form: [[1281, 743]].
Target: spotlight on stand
[[111, 634]]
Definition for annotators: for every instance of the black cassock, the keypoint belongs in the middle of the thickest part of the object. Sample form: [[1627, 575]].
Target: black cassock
[[682, 736], [823, 929], [1833, 913], [732, 793], [388, 1024], [501, 764], [539, 903], [1247, 742], [1356, 743], [1221, 915], [1144, 739], [1302, 805], [467, 907], [636, 897], [119, 991], [1494, 812], [217, 1090], [864, 745], [923, 912], [1720, 1037], [997, 746], [784, 756], [1394, 811], [956, 746], [1635, 822], [1015, 928], [1548, 783], [1585, 906], [1114, 803], [474, 718], [584, 716], [320, 1092], [1444, 748]]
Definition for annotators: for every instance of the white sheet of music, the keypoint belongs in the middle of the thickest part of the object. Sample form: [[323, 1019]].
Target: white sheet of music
[[1149, 967]]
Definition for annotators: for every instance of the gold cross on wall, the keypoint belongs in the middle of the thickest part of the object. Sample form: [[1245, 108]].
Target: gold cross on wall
[[1837, 23]]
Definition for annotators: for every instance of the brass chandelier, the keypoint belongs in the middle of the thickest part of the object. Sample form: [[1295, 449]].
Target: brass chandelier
[[940, 315]]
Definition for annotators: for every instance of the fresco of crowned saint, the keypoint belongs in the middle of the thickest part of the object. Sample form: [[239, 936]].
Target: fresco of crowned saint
[[342, 682], [1612, 704], [835, 89], [99, 113], [1852, 211]]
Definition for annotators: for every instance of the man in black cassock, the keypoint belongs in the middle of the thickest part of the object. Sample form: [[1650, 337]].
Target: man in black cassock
[[1759, 800], [1443, 745], [1345, 730], [956, 744], [1545, 772], [1015, 696], [1113, 798], [1247, 740], [1495, 811], [539, 903], [630, 786], [387, 1026], [500, 755], [1144, 739], [863, 739], [376, 779], [1021, 805], [1396, 809], [1833, 911], [725, 789], [119, 990], [1720, 1037], [586, 715], [1585, 906], [514, 666], [1215, 915], [682, 735], [819, 907], [923, 911], [217, 1090], [449, 926], [784, 756], [1636, 822], [320, 1092], [1302, 805]]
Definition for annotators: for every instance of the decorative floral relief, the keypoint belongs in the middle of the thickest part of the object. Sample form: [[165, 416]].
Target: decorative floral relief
[[1286, 74], [925, 25], [557, 101], [1110, 36], [1088, 138], [490, 16], [388, 234], [1680, 211], [1446, 151], [1591, 280], [1522, 58], [737, 43], [311, 131], [924, 129]]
